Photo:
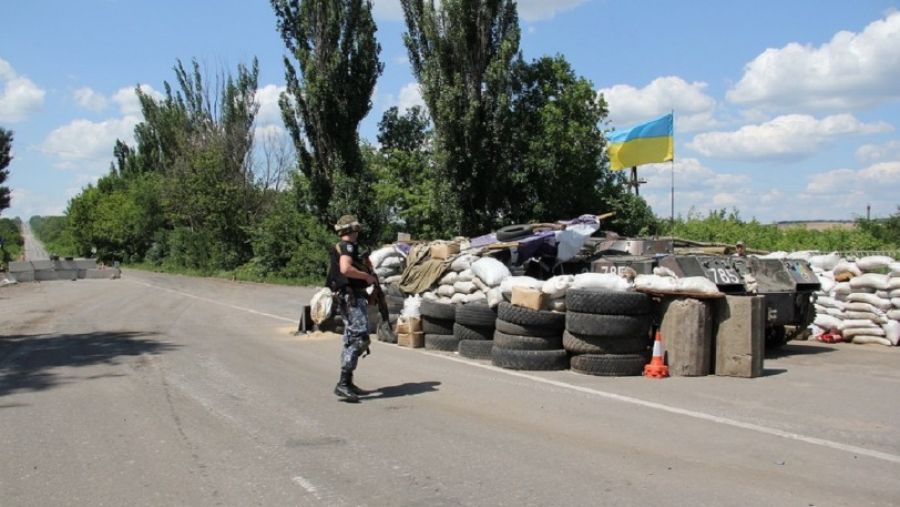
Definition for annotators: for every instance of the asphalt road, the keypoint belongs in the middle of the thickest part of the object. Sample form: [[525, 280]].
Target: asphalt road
[[168, 390], [34, 249]]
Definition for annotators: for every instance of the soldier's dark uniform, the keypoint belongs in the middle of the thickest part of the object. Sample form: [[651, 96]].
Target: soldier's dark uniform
[[353, 306]]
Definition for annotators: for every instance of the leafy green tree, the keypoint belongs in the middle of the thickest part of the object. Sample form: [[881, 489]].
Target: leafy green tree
[[462, 54], [6, 139], [333, 43]]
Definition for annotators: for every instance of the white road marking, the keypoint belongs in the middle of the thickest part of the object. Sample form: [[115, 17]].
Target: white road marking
[[308, 486], [213, 301], [892, 458]]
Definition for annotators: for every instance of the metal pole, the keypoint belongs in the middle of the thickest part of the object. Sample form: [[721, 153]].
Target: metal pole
[[673, 195], [634, 181]]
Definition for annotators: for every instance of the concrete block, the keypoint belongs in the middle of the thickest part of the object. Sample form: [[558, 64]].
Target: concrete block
[[687, 331], [20, 266], [740, 336], [43, 265], [101, 274], [22, 276], [67, 274], [45, 275], [86, 263]]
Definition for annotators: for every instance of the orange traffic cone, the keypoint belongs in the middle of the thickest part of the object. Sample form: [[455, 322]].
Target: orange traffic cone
[[657, 368]]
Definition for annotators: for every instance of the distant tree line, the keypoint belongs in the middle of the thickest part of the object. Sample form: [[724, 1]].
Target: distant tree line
[[501, 140]]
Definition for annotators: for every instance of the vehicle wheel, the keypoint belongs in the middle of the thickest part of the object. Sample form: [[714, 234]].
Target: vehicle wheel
[[527, 317], [608, 326], [464, 332], [441, 342], [510, 328], [440, 311], [587, 344], [610, 365], [475, 349], [512, 232], [608, 302], [519, 342], [436, 326], [476, 315], [530, 359]]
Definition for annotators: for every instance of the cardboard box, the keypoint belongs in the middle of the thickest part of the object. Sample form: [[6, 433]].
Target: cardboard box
[[403, 237], [413, 340], [529, 298], [406, 325], [443, 251]]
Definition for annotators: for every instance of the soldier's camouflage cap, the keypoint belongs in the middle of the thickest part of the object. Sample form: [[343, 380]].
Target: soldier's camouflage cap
[[347, 222]]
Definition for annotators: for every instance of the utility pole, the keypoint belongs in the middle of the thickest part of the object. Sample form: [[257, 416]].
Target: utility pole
[[636, 183], [868, 211]]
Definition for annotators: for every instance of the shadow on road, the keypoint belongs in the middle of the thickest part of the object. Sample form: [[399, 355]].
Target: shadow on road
[[799, 349], [405, 389], [26, 360]]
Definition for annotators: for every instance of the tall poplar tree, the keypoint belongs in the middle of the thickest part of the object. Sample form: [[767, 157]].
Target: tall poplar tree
[[336, 53], [462, 54], [6, 138]]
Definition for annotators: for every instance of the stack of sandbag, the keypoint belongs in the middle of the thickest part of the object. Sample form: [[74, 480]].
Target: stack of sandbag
[[471, 279], [388, 263], [857, 300], [607, 326]]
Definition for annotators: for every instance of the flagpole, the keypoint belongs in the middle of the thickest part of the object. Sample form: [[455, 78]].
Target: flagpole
[[673, 174]]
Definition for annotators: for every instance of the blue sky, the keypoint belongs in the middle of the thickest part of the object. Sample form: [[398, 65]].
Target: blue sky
[[783, 110]]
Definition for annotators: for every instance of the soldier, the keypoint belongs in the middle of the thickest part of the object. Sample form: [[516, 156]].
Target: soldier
[[348, 278], [741, 249]]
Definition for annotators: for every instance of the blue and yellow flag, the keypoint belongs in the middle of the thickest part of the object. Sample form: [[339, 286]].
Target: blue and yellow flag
[[646, 143]]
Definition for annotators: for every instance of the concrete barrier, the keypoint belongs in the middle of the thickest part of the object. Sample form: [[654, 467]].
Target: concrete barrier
[[687, 331], [20, 266], [102, 274], [65, 269], [22, 276], [740, 336]]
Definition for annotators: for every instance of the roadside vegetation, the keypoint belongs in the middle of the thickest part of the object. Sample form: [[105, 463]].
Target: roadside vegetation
[[502, 140], [11, 239]]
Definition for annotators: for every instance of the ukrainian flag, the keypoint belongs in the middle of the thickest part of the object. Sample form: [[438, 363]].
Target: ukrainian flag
[[646, 143]]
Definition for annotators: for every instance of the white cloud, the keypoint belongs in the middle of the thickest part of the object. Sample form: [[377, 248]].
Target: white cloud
[[127, 99], [789, 137], [87, 141], [869, 153], [725, 199], [26, 204], [89, 99], [269, 113], [18, 95], [537, 10], [851, 190], [691, 174], [410, 95], [693, 108], [852, 71]]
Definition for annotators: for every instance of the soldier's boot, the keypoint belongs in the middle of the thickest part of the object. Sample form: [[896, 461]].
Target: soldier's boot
[[342, 389], [355, 389]]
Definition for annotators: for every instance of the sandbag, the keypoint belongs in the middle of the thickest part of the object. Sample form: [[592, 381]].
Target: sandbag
[[490, 270], [827, 283], [846, 267], [894, 268], [520, 281], [558, 305], [893, 283], [466, 276], [895, 294], [494, 297], [458, 298], [802, 255], [828, 302], [431, 296], [865, 340], [825, 262], [837, 312], [481, 285], [450, 278], [393, 261], [895, 302], [874, 263], [557, 286], [828, 322], [872, 299], [411, 307], [446, 291], [464, 287], [445, 301], [870, 280], [698, 284], [385, 272], [892, 331], [378, 256], [475, 297], [653, 283], [322, 305], [463, 262], [854, 323], [858, 306], [606, 281], [664, 271], [874, 317], [850, 332], [393, 279], [842, 288], [893, 314], [883, 294]]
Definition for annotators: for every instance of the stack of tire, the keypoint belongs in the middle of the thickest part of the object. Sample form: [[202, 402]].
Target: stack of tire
[[437, 324], [474, 328], [526, 339], [395, 298], [608, 333]]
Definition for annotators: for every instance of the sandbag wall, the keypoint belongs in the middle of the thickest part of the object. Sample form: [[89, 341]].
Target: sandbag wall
[[859, 301]]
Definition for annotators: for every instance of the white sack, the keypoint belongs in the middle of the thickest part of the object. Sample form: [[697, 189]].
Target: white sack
[[850, 332], [874, 262], [802, 254], [411, 307], [854, 323], [475, 297], [842, 288], [837, 312], [895, 294], [607, 281], [894, 315], [463, 262], [828, 323], [393, 279], [871, 281], [494, 297], [828, 302], [466, 276], [699, 284], [445, 301], [458, 298], [572, 239], [490, 270], [450, 278], [481, 285], [883, 294], [865, 340], [824, 262], [872, 299], [858, 306], [874, 317], [321, 305], [654, 283], [557, 286], [385, 272], [892, 331], [431, 296], [895, 302], [774, 255], [378, 256], [894, 267], [827, 283], [894, 283], [464, 287], [847, 267], [558, 305], [664, 271], [446, 291], [391, 262]]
